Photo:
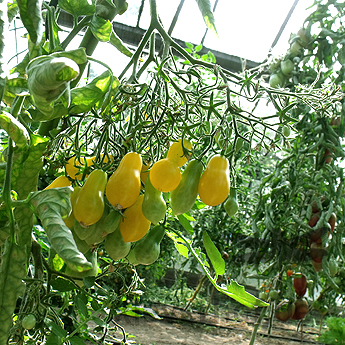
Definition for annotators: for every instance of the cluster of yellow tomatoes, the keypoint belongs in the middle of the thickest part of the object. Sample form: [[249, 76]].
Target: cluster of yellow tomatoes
[[123, 189]]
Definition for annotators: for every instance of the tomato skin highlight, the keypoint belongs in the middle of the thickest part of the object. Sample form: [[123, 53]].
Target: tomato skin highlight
[[214, 185], [89, 205], [300, 284], [29, 321], [123, 187], [301, 309], [332, 220], [165, 175], [134, 225], [61, 181], [176, 152], [285, 310]]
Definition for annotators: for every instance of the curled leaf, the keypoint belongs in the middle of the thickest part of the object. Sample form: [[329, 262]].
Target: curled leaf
[[51, 206], [48, 79], [14, 129]]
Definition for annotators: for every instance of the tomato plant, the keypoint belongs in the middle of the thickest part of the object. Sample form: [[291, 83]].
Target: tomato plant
[[92, 139]]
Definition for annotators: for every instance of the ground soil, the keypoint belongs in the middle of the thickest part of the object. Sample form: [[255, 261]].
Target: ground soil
[[179, 327]]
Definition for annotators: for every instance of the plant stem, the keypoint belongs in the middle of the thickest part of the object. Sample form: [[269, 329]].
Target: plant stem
[[256, 326], [77, 28]]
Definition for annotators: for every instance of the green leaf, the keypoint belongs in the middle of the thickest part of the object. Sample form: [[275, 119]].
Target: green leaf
[[217, 261], [59, 111], [77, 55], [75, 340], [84, 98], [14, 129], [237, 292], [101, 28], [12, 273], [118, 44], [107, 102], [207, 14], [12, 10], [179, 243], [57, 329], [341, 55], [185, 223], [17, 86], [62, 284], [51, 206], [78, 7], [48, 79], [57, 263], [30, 14], [81, 306], [198, 48], [190, 46]]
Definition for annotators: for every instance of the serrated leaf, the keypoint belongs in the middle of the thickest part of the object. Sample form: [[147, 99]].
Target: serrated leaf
[[78, 7], [214, 255], [206, 11]]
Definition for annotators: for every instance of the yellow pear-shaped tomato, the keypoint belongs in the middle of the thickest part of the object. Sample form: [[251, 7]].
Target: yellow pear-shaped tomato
[[134, 225], [177, 153], [165, 175], [69, 221], [89, 206], [123, 187], [72, 165], [214, 184], [61, 181]]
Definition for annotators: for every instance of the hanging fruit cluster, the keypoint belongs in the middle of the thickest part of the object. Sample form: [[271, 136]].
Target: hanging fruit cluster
[[317, 248], [282, 69], [116, 212]]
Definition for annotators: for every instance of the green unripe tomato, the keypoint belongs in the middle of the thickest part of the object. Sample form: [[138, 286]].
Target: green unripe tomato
[[295, 49], [274, 294], [263, 295], [29, 321], [275, 80], [287, 67], [286, 131]]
